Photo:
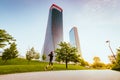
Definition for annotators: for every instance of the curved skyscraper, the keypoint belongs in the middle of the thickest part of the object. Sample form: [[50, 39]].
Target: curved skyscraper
[[74, 39], [54, 31]]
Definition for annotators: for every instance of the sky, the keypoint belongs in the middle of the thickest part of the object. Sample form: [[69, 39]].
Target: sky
[[96, 20]]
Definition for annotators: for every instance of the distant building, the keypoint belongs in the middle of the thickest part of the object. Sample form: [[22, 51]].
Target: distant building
[[74, 39], [54, 31]]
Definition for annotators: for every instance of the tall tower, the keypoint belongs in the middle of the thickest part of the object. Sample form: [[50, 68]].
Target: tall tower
[[74, 39], [54, 31]]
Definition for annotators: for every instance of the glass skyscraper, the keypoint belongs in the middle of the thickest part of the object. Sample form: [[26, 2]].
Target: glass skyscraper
[[54, 31], [74, 39]]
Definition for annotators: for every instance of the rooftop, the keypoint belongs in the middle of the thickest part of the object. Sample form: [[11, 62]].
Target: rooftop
[[56, 7]]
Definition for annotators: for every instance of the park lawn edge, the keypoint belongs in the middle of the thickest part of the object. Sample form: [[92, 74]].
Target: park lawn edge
[[8, 69]]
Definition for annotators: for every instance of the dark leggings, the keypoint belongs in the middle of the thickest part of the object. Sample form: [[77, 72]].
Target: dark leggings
[[50, 63]]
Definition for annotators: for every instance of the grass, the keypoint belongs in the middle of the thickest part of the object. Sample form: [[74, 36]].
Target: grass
[[22, 65]]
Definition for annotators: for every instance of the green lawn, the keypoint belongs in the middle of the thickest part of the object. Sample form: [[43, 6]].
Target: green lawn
[[22, 65]]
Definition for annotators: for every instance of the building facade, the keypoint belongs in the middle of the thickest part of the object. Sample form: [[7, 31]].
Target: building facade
[[54, 31], [74, 39]]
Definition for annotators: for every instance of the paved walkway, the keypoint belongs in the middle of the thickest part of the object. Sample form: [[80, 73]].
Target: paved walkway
[[65, 75]]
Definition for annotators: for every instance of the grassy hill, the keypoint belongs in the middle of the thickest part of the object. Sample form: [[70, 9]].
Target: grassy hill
[[19, 65]]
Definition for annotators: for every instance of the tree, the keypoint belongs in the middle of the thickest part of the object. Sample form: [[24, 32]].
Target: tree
[[32, 54], [83, 62], [97, 63], [10, 53], [44, 57], [117, 64], [96, 59], [36, 55], [5, 38], [29, 55], [109, 66], [58, 59], [66, 53], [112, 59], [118, 56]]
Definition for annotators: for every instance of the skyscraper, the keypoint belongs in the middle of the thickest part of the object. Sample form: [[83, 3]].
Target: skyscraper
[[74, 39], [54, 31]]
